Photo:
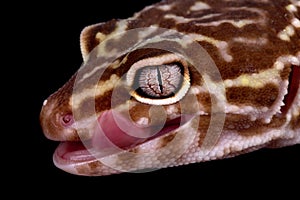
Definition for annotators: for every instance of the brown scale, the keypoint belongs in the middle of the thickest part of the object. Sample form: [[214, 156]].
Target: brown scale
[[243, 125], [264, 96], [240, 124], [205, 100], [105, 28]]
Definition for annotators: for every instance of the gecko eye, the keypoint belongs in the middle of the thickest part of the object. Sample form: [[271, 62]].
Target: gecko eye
[[159, 81]]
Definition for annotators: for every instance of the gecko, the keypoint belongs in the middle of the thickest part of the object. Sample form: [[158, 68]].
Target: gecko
[[179, 82]]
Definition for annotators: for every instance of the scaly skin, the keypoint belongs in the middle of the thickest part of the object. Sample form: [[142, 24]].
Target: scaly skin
[[224, 81]]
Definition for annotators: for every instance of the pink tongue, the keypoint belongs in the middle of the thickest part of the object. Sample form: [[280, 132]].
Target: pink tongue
[[109, 138], [109, 135]]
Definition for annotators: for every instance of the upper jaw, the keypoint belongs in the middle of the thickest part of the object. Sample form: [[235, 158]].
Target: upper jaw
[[50, 116]]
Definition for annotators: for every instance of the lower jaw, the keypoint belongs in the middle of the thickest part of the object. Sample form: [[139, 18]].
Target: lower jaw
[[71, 166], [72, 152]]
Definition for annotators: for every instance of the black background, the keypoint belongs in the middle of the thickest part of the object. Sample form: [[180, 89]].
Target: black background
[[50, 55]]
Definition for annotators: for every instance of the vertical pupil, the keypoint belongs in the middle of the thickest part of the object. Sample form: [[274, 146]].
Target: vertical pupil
[[159, 81]]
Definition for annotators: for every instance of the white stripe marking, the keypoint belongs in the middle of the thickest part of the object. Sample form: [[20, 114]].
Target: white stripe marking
[[291, 8], [165, 7], [238, 24], [221, 45], [296, 22], [199, 6], [94, 91], [287, 33], [251, 41]]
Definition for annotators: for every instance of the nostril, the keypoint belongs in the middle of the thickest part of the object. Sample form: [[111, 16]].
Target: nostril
[[67, 120]]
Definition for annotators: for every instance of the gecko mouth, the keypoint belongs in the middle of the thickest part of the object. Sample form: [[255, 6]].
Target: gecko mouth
[[294, 81], [109, 138]]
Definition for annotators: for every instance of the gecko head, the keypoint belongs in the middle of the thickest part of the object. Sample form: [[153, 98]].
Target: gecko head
[[128, 110], [139, 111]]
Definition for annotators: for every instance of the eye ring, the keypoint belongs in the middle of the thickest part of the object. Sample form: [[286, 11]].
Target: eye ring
[[160, 80]]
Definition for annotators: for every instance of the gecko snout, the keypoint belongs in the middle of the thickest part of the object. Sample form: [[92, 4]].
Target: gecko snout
[[57, 123]]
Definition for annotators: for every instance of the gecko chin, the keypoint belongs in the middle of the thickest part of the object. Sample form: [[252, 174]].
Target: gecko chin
[[108, 139]]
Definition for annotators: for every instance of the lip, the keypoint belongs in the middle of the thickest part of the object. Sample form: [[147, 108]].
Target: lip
[[108, 139], [73, 152], [294, 81]]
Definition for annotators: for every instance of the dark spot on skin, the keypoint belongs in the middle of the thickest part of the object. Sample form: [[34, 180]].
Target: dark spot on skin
[[103, 102], [285, 73], [295, 122], [166, 139], [92, 168], [167, 23], [205, 100], [133, 150], [195, 76], [204, 123], [90, 105]]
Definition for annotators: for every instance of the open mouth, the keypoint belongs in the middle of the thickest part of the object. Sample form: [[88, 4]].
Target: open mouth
[[109, 138], [294, 81]]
